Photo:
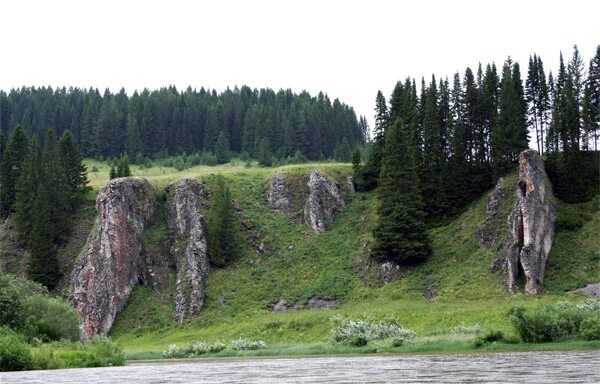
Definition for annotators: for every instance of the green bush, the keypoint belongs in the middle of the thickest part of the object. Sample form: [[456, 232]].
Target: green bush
[[96, 353], [52, 319], [15, 354], [360, 332], [174, 352], [490, 337], [589, 328], [553, 322], [12, 308], [247, 345]]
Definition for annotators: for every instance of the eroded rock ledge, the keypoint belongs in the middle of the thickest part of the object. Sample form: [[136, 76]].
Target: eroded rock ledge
[[189, 231], [110, 264], [530, 224]]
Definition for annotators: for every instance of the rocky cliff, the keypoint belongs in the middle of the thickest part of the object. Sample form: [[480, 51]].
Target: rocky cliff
[[530, 224], [109, 267], [189, 234], [320, 197]]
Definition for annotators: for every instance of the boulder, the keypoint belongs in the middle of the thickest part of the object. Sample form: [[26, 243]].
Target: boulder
[[189, 234], [530, 224], [109, 266], [324, 202], [590, 290], [321, 303]]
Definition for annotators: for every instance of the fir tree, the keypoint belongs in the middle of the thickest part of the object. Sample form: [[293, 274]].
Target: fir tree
[[27, 190], [11, 166], [222, 148], [75, 173], [400, 234], [263, 153], [223, 226]]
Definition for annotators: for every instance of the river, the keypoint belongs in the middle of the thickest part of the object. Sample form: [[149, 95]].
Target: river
[[522, 367]]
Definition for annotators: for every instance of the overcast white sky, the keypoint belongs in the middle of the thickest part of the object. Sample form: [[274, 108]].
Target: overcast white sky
[[348, 49]]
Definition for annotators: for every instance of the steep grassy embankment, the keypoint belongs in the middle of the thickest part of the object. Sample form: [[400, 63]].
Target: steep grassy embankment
[[296, 265]]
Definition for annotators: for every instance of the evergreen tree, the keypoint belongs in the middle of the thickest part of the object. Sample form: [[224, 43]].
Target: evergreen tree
[[222, 148], [123, 167], [593, 84], [73, 169], [43, 263], [113, 172], [11, 165], [26, 192], [263, 153], [55, 186], [223, 226], [400, 234]]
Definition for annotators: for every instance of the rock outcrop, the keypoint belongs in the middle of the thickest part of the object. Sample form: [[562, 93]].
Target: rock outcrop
[[189, 230], [318, 198], [323, 203], [531, 225], [109, 267], [277, 194], [495, 216]]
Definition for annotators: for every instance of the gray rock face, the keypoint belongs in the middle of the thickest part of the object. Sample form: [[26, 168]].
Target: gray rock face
[[531, 225], [277, 194], [189, 230], [323, 203], [590, 290], [317, 303], [280, 306], [109, 267]]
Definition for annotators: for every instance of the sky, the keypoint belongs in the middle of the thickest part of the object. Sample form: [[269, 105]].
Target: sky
[[347, 49]]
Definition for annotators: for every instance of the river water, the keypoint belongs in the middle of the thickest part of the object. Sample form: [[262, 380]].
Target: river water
[[526, 367]]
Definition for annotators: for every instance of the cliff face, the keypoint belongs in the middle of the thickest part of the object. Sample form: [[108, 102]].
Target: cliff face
[[189, 234], [531, 225], [110, 264]]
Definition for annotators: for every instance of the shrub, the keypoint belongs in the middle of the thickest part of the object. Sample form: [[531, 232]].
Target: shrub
[[173, 352], [15, 355], [553, 322], [52, 319], [216, 347], [360, 332], [589, 329], [490, 337], [99, 352], [247, 345]]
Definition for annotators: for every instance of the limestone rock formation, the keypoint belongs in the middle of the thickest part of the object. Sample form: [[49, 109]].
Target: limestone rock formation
[[323, 203], [109, 267], [189, 230], [531, 225], [317, 197], [277, 194]]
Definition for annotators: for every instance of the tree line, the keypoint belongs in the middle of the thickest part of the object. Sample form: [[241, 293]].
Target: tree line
[[437, 147], [165, 122], [41, 189]]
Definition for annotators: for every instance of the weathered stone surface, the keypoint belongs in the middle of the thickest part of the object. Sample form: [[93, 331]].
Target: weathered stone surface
[[590, 290], [318, 303], [350, 183], [497, 200], [280, 306], [324, 201], [531, 225], [109, 267], [189, 230], [277, 194]]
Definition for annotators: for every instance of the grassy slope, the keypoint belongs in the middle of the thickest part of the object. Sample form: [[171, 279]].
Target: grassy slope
[[299, 264]]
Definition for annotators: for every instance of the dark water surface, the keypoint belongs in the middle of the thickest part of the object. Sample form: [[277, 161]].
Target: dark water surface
[[525, 367]]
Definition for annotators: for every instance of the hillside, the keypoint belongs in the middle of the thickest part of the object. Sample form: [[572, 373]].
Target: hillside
[[284, 259]]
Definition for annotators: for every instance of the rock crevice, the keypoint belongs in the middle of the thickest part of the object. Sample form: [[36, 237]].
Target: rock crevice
[[109, 267]]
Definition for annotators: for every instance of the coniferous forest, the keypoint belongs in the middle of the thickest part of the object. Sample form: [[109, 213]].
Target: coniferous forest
[[169, 122]]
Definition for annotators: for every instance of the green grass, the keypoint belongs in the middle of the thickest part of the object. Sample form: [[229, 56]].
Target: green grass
[[297, 264]]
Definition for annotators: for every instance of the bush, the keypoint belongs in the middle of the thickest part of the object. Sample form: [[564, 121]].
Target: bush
[[15, 355], [52, 319], [99, 352], [360, 332], [247, 345], [194, 349], [553, 322], [463, 329], [589, 329], [490, 337], [174, 352]]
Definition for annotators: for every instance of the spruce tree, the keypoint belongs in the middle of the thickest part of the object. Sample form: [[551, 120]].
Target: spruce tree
[[11, 166], [263, 153], [222, 148], [26, 192], [43, 262], [75, 173], [223, 226], [400, 234]]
